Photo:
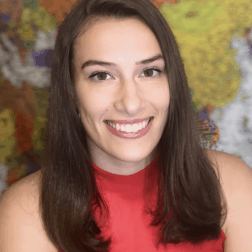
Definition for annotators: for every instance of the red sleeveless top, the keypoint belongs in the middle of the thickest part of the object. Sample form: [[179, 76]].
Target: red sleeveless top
[[127, 197]]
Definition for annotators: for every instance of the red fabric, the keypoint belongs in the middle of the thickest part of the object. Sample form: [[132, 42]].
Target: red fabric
[[126, 196]]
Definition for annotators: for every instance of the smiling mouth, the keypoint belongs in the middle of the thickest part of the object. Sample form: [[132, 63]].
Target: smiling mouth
[[131, 131]]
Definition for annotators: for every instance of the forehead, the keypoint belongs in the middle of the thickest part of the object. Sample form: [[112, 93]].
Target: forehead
[[116, 38]]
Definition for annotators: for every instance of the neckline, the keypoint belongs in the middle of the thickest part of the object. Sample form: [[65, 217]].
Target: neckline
[[127, 184]]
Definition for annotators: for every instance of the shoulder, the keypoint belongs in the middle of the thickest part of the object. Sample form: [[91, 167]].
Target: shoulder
[[236, 180], [20, 223], [232, 169], [224, 169]]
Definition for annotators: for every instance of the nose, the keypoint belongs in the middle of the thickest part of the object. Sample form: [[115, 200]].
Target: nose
[[130, 100]]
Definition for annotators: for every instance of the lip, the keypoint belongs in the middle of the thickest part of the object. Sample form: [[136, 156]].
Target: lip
[[130, 121], [133, 135]]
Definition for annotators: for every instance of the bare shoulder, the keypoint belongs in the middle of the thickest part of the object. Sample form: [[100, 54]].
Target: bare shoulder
[[236, 181], [20, 223], [222, 169], [231, 168]]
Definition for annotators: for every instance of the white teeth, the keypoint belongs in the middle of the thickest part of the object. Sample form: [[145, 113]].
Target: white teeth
[[129, 127], [144, 124], [122, 127]]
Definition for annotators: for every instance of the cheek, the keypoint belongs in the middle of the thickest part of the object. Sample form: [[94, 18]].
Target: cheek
[[160, 97], [92, 102]]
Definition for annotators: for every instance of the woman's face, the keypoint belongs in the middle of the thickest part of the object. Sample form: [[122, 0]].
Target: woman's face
[[125, 90]]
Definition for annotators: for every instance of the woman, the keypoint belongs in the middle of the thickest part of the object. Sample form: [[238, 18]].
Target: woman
[[85, 101], [107, 186]]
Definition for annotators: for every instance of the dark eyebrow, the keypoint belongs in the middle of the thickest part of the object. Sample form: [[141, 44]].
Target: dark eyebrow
[[103, 63]]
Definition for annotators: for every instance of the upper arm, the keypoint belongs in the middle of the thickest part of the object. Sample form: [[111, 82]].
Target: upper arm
[[239, 220], [19, 231]]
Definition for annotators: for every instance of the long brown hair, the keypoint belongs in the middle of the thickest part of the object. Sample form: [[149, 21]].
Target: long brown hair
[[188, 185]]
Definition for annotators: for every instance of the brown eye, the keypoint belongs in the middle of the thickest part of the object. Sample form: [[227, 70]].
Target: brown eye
[[150, 71], [101, 74]]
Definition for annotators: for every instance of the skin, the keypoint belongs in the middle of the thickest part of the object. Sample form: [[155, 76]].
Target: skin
[[127, 92]]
